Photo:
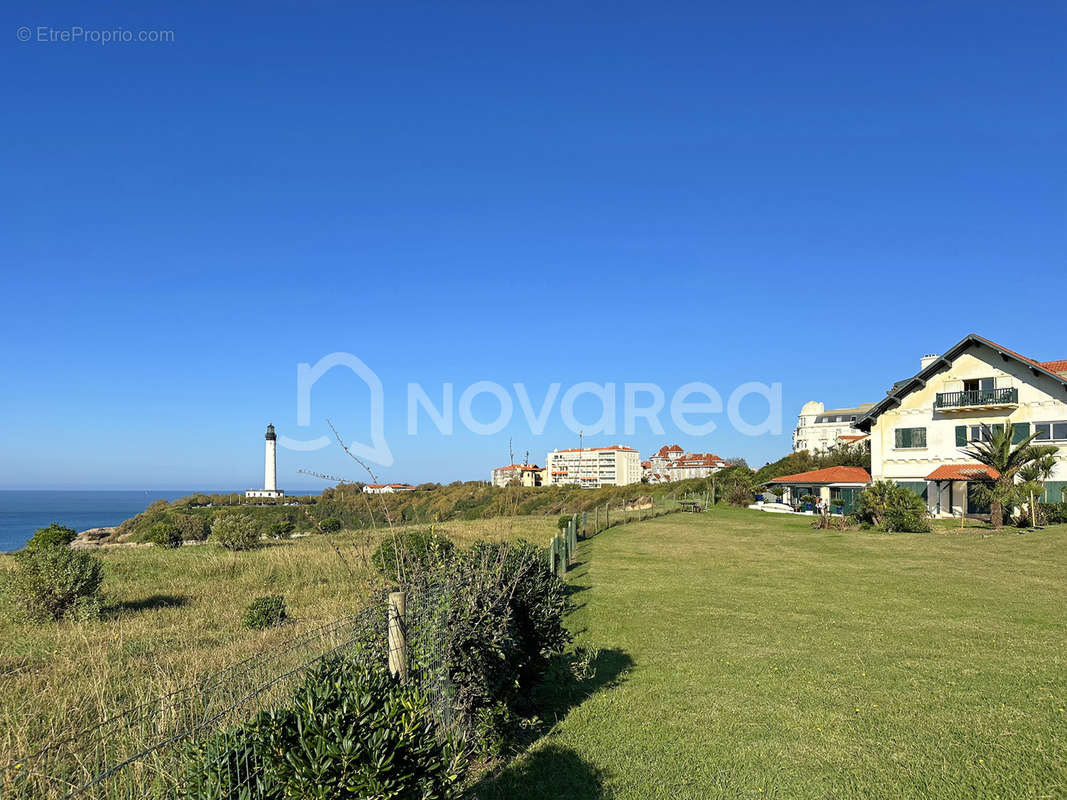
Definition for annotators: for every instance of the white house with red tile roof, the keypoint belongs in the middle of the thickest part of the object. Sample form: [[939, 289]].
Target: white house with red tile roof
[[387, 488], [671, 463], [592, 467], [837, 486], [919, 430], [521, 474]]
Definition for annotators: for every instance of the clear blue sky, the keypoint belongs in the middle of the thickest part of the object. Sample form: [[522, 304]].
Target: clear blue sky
[[814, 195]]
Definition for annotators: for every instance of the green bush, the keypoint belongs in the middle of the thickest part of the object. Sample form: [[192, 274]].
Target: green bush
[[330, 525], [1054, 513], [56, 582], [564, 522], [351, 731], [236, 531], [265, 612], [165, 534], [192, 527], [493, 659], [739, 494], [55, 535], [892, 508], [411, 552], [281, 529]]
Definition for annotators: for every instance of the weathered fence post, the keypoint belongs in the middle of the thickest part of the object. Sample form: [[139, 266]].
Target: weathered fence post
[[398, 645], [596, 524], [552, 555]]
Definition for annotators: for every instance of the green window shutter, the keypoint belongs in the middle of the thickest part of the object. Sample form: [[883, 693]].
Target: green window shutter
[[899, 434], [1020, 432], [919, 438], [996, 427], [961, 436]]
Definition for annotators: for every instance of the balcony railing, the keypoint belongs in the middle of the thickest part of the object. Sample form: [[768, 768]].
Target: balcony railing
[[977, 397]]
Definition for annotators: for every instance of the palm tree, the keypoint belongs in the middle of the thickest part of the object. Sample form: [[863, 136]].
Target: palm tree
[[1035, 474], [1000, 452]]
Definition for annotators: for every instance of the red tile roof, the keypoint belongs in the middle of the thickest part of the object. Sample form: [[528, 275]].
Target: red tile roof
[[698, 460], [963, 472], [525, 467], [1055, 366], [828, 475], [853, 438]]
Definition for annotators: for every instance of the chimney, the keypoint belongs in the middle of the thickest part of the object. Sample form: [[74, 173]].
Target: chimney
[[927, 360]]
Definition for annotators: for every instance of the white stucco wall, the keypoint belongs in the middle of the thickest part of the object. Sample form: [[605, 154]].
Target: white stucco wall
[[1041, 399]]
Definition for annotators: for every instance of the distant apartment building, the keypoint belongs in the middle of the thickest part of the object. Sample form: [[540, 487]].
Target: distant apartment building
[[818, 429], [695, 465], [671, 463], [661, 460], [387, 488], [517, 474], [592, 467]]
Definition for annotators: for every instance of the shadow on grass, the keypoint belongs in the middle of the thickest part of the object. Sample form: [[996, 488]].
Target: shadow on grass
[[550, 772], [148, 603]]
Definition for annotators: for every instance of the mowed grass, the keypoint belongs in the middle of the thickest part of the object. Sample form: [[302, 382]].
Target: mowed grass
[[174, 616], [770, 660]]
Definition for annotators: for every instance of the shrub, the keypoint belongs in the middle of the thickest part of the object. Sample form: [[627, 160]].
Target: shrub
[[1054, 513], [192, 527], [892, 508], [55, 535], [165, 534], [350, 731], [265, 612], [739, 494], [495, 659], [411, 552], [281, 529], [54, 582], [330, 525], [564, 522], [236, 531]]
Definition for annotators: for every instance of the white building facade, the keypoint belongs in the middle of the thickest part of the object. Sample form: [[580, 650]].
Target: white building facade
[[918, 432], [818, 429], [592, 467], [387, 488], [671, 463], [521, 474]]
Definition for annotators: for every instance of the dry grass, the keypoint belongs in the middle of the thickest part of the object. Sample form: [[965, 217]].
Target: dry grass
[[175, 615]]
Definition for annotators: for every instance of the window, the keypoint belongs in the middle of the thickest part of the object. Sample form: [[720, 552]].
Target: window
[[910, 438], [979, 385], [1050, 431]]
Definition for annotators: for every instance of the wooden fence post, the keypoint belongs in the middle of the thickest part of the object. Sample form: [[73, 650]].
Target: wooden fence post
[[398, 646]]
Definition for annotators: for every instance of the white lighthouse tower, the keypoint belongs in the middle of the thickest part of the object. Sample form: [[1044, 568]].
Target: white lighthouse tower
[[270, 469]]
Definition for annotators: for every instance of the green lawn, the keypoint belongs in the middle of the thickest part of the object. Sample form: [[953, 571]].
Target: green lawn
[[747, 655]]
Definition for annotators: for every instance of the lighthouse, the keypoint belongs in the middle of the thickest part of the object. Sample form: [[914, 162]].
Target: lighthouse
[[270, 468]]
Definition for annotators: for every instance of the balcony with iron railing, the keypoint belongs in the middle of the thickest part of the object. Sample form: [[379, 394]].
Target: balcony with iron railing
[[976, 398]]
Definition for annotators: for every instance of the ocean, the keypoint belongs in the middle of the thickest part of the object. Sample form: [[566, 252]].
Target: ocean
[[23, 512]]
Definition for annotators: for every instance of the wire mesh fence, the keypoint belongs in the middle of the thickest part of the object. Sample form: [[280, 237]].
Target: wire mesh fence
[[145, 751], [139, 752]]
